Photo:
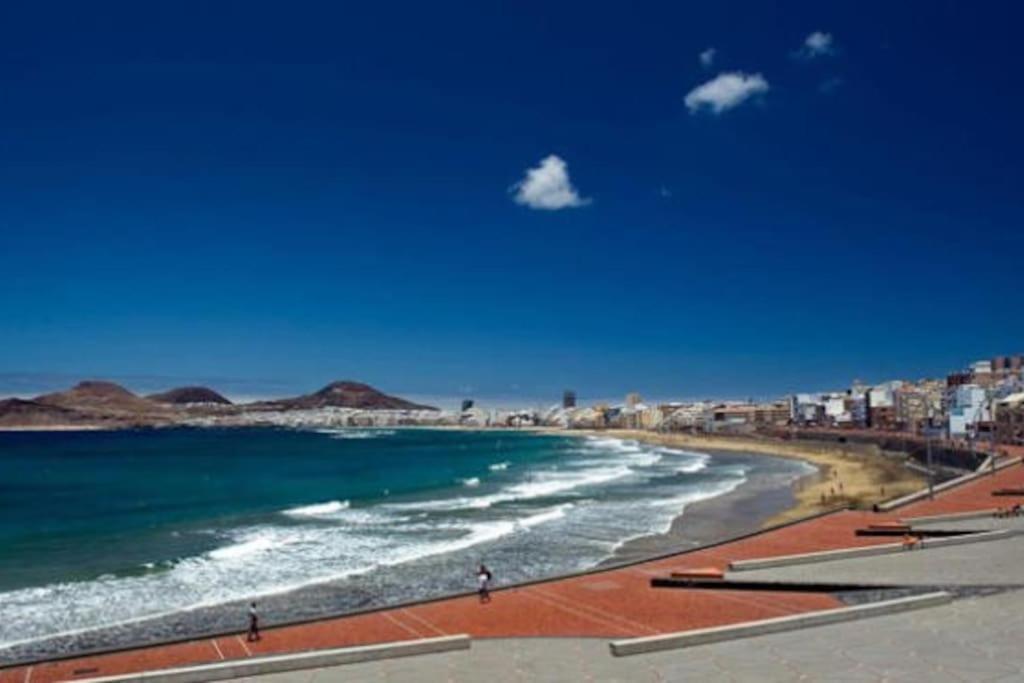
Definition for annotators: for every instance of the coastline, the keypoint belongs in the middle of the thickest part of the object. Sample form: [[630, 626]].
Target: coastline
[[843, 479], [744, 510]]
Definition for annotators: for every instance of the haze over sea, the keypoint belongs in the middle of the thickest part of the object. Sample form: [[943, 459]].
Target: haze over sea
[[164, 532]]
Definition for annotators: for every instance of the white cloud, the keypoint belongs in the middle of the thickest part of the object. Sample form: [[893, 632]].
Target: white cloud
[[707, 58], [817, 44], [548, 187], [725, 91]]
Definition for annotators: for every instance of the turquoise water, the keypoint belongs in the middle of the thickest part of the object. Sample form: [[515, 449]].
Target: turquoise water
[[107, 528]]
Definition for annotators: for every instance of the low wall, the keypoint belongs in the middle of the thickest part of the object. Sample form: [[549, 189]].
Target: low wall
[[952, 483], [866, 551], [258, 666], [675, 641]]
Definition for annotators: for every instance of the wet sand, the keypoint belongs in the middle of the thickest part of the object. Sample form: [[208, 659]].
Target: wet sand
[[850, 478], [741, 511]]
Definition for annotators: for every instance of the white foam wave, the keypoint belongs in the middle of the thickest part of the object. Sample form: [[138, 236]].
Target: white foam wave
[[252, 546], [692, 467], [499, 466], [471, 482], [702, 493], [549, 483], [617, 459], [318, 509], [350, 433]]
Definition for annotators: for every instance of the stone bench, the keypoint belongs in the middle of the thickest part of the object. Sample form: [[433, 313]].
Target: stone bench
[[699, 574]]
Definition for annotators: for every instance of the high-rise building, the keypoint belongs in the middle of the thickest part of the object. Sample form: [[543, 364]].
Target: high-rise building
[[467, 404], [568, 399], [633, 399]]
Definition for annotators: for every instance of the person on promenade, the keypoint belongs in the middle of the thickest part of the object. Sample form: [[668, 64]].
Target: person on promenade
[[483, 578], [254, 624]]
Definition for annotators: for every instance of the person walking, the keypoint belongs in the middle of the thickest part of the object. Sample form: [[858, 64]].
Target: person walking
[[483, 578], [254, 624]]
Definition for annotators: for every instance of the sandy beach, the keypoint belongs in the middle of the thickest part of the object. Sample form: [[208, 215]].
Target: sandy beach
[[843, 478]]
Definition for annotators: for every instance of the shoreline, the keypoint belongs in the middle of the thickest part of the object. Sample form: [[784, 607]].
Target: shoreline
[[744, 510], [843, 478]]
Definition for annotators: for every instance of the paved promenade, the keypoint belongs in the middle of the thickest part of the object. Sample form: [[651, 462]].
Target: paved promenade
[[968, 640], [614, 603]]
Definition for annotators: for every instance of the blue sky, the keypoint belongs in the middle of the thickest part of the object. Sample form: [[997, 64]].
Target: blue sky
[[279, 195]]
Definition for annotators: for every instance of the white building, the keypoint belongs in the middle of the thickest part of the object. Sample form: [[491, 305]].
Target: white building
[[968, 405]]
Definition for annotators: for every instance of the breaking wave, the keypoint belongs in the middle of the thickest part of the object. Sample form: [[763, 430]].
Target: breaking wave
[[318, 509]]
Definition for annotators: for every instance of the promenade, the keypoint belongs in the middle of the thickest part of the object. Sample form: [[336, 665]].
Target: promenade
[[603, 605]]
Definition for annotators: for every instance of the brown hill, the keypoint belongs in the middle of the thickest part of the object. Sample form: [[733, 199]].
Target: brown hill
[[347, 394], [107, 401], [16, 412], [184, 395]]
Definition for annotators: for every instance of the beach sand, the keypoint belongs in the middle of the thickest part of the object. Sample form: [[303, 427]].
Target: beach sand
[[844, 478]]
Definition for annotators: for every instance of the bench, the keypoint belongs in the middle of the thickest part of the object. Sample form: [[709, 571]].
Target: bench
[[884, 529], [701, 574]]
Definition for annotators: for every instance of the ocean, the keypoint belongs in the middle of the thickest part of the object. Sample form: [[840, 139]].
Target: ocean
[[110, 538]]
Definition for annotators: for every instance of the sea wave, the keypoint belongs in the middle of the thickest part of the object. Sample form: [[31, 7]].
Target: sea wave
[[604, 460], [246, 548], [499, 466], [698, 494], [350, 433], [317, 509]]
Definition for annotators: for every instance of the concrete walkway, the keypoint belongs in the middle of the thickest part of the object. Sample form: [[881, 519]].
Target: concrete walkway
[[967, 640]]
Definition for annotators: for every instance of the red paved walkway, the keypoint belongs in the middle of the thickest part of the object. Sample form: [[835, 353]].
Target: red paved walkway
[[609, 604], [974, 495]]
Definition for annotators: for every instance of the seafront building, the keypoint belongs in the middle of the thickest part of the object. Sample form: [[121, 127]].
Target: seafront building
[[978, 403], [1009, 419]]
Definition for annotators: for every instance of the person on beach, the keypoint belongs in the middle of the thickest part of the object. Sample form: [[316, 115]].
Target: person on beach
[[254, 624], [483, 578]]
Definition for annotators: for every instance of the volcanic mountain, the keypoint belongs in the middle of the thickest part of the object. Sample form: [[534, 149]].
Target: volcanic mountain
[[107, 401], [347, 394], [16, 412], [185, 395]]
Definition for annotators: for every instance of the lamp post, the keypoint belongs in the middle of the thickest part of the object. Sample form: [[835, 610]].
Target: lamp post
[[929, 432], [992, 430], [931, 472]]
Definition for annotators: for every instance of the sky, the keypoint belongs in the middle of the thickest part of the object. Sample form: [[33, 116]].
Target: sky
[[683, 199]]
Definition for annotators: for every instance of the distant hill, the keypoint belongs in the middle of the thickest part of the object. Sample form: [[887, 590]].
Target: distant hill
[[16, 412], [102, 404], [184, 395], [106, 401], [348, 394]]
